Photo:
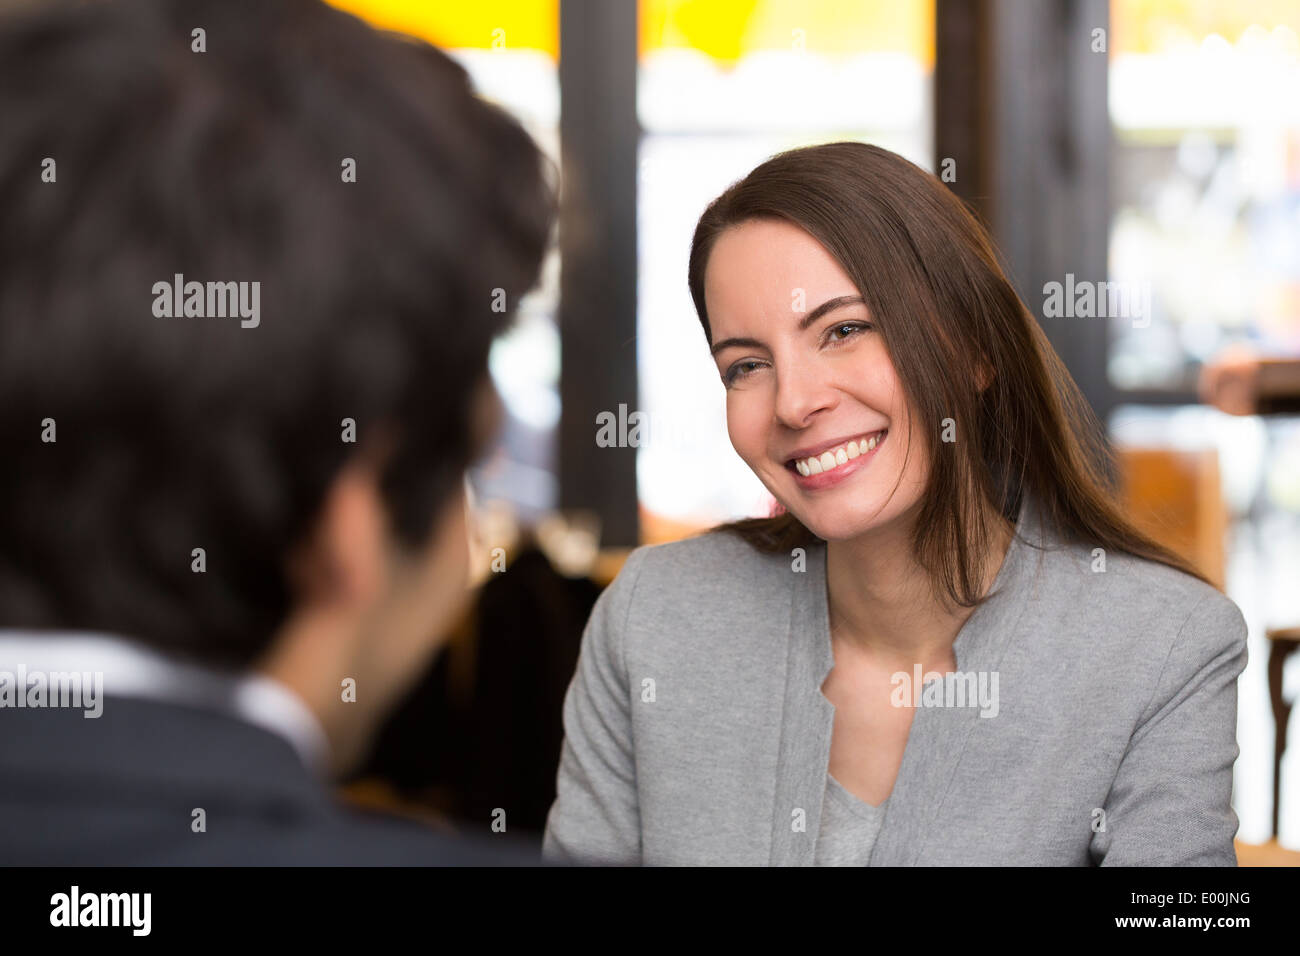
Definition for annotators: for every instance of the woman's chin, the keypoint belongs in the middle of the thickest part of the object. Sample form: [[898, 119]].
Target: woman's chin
[[833, 527]]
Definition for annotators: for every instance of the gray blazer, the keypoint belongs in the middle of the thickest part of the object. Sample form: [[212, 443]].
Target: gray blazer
[[696, 732]]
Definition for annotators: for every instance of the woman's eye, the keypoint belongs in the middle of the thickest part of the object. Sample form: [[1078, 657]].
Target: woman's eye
[[849, 329], [738, 371]]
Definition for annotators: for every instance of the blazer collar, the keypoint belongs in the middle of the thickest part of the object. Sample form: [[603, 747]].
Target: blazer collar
[[129, 669], [938, 734]]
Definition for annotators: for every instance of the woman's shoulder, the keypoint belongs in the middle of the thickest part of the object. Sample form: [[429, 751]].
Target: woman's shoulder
[[713, 567], [703, 603], [1131, 593]]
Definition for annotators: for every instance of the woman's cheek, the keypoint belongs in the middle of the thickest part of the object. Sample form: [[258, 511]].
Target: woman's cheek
[[744, 428]]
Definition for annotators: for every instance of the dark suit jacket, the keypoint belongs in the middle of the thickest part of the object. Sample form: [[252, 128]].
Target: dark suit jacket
[[121, 789]]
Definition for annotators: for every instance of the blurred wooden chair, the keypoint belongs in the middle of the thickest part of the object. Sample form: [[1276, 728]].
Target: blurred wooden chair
[[1265, 854], [1176, 497], [1282, 642], [658, 529]]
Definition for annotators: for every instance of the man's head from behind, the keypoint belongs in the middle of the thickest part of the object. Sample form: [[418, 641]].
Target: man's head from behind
[[252, 258]]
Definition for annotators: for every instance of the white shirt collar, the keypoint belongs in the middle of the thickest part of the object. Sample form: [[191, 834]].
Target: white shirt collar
[[132, 670]]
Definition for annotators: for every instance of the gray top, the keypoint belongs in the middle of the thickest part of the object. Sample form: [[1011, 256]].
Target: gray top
[[848, 829], [696, 732]]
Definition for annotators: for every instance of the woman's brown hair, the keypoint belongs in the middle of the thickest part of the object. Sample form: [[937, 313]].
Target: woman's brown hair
[[951, 322]]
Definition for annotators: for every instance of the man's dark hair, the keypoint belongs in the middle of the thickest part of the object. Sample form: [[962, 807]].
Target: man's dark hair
[[379, 300]]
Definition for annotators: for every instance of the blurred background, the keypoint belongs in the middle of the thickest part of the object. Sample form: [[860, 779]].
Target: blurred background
[[1154, 144]]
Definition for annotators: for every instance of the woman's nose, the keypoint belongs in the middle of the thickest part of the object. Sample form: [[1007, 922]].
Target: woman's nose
[[802, 390]]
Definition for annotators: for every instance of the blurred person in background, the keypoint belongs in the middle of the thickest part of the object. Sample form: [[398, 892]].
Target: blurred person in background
[[252, 258], [1241, 381]]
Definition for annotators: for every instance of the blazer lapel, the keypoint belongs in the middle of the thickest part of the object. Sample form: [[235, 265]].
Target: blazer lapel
[[807, 719], [939, 735]]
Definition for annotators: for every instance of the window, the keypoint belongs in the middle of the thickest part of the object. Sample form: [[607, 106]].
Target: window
[[721, 87]]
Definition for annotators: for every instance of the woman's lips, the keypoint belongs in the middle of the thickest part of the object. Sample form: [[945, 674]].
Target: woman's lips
[[833, 476]]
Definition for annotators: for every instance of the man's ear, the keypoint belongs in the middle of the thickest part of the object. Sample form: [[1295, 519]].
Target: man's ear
[[487, 415], [343, 561]]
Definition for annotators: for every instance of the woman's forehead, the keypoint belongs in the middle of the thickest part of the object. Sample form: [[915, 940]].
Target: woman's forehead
[[766, 268]]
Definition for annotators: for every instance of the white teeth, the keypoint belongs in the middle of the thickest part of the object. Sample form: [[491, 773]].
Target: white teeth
[[836, 457]]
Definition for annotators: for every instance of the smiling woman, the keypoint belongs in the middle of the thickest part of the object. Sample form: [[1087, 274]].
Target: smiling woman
[[939, 331], [944, 514], [811, 398]]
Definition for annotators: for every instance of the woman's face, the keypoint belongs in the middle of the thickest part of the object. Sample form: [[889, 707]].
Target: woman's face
[[814, 406]]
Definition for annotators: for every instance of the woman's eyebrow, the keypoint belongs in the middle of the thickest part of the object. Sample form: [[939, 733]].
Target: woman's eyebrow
[[830, 305]]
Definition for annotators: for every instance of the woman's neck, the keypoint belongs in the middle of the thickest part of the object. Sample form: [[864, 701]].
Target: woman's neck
[[882, 602]]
